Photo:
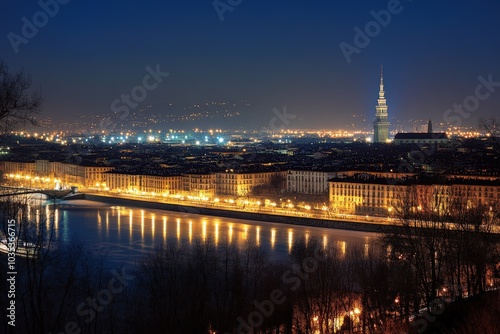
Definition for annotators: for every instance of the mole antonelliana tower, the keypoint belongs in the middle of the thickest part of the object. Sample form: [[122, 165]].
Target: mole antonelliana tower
[[381, 123]]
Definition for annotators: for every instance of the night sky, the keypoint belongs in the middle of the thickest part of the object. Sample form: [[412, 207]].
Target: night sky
[[270, 53]]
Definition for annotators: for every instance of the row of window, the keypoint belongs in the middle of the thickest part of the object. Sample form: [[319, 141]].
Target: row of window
[[306, 179], [486, 189]]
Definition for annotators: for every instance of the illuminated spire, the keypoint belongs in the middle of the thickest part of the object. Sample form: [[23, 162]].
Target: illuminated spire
[[381, 94], [381, 123]]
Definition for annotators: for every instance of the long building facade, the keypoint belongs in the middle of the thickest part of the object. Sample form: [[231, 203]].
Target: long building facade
[[150, 184], [242, 183], [57, 172], [364, 194], [308, 181]]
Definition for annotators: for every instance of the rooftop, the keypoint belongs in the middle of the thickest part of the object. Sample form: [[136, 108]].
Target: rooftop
[[420, 135]]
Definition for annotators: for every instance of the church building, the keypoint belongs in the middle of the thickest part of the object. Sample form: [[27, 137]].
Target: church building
[[421, 138]]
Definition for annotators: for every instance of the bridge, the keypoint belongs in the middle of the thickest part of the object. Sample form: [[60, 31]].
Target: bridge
[[53, 194]]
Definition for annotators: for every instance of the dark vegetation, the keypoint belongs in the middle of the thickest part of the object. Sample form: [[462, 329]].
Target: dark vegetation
[[478, 314]]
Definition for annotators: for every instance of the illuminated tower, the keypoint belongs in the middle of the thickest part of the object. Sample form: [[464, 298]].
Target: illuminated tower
[[381, 123]]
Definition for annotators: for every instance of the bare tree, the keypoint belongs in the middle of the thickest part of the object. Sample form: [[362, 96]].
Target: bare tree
[[491, 126], [54, 279], [445, 239], [18, 103], [422, 214]]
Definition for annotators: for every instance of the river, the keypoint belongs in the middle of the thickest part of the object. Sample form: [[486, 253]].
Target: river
[[128, 234]]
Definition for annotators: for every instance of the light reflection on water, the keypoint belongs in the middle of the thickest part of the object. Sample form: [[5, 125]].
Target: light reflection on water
[[102, 229]]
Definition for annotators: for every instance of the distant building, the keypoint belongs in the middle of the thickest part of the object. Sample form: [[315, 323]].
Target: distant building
[[70, 174], [123, 182], [42, 167], [421, 138], [316, 182], [21, 168], [94, 174], [67, 174], [199, 184], [365, 194], [133, 183], [242, 183], [308, 181], [381, 123]]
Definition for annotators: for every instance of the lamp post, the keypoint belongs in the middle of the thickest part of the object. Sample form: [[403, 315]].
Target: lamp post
[[396, 303]]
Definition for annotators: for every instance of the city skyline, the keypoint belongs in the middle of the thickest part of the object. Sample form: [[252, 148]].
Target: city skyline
[[319, 60], [231, 166]]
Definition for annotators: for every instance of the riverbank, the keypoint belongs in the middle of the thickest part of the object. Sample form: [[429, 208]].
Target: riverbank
[[257, 216]]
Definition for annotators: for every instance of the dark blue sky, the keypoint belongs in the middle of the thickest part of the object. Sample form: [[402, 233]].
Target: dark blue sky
[[271, 53]]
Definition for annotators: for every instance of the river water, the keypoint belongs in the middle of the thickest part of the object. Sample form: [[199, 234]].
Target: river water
[[128, 234]]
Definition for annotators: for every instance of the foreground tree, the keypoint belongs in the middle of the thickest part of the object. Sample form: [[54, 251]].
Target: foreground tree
[[492, 127], [179, 290], [18, 102], [54, 285], [445, 244]]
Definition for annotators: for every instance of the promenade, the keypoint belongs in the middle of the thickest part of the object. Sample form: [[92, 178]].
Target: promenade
[[276, 215], [262, 213]]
